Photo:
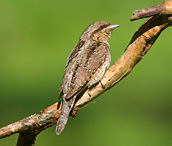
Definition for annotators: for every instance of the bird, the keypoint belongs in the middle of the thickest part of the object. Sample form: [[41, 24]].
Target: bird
[[85, 66]]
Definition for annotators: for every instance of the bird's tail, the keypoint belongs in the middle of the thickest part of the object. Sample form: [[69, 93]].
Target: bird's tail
[[66, 108]]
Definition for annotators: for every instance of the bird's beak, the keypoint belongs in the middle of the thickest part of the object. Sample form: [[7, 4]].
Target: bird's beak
[[112, 27]]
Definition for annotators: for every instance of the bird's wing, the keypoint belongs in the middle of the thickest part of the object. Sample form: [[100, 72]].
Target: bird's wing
[[91, 60], [72, 55]]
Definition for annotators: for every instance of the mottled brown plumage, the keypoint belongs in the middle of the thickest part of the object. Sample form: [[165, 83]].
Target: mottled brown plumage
[[85, 66]]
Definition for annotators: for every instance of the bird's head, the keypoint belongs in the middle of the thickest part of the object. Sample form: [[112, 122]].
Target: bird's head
[[98, 31]]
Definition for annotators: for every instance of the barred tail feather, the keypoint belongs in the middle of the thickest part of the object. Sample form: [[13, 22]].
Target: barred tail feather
[[66, 108]]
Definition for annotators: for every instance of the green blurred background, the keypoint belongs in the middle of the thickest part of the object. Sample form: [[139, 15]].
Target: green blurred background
[[36, 36]]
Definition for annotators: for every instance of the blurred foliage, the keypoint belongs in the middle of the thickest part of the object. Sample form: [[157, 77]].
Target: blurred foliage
[[36, 37]]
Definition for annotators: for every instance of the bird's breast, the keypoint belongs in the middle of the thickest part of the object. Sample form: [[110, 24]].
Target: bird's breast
[[98, 75]]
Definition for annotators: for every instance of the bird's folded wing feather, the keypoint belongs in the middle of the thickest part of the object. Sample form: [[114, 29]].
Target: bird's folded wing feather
[[75, 78]]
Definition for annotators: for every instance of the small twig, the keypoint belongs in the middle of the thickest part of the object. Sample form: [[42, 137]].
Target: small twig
[[147, 12], [163, 9], [26, 139], [91, 103]]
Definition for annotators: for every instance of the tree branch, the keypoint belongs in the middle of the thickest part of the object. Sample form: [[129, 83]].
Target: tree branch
[[140, 43], [163, 9]]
